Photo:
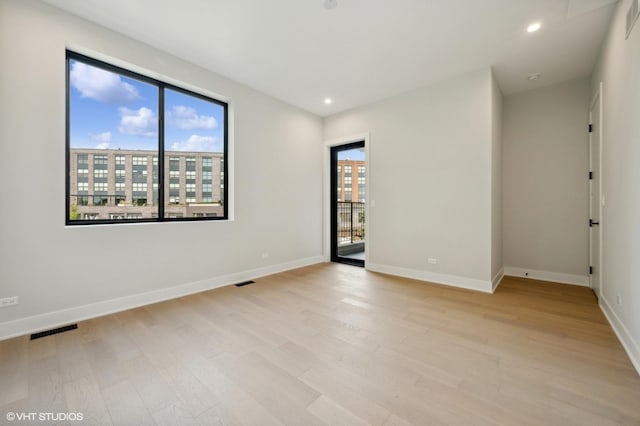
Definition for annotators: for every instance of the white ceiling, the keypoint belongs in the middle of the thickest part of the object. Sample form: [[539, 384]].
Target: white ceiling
[[363, 50]]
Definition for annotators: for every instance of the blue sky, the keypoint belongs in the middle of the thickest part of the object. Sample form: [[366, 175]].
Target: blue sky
[[111, 111], [352, 154]]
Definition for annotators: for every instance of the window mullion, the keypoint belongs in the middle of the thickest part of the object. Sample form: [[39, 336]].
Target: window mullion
[[161, 179]]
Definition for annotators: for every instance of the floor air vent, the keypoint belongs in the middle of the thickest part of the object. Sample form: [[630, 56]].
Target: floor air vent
[[244, 283], [53, 331]]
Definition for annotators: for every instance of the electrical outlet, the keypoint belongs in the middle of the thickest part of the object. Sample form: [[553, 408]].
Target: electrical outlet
[[432, 260], [265, 255], [619, 299], [8, 301]]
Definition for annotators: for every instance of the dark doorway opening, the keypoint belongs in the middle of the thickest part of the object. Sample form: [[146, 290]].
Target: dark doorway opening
[[348, 198]]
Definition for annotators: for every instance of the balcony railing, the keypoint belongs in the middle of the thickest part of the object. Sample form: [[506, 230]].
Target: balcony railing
[[351, 219], [109, 200]]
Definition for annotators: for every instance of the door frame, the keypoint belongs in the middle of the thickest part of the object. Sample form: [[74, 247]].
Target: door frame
[[333, 165], [326, 249], [596, 98]]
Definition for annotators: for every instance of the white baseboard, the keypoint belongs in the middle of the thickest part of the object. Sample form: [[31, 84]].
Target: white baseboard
[[497, 280], [54, 319], [628, 342], [432, 277], [557, 277]]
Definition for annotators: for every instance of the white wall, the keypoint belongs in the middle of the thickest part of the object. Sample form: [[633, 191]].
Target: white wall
[[277, 186], [497, 260], [430, 174], [546, 201], [619, 69]]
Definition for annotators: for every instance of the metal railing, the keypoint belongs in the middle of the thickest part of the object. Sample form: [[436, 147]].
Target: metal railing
[[351, 220], [110, 200]]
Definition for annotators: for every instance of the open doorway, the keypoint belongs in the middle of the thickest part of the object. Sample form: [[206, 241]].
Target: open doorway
[[348, 192]]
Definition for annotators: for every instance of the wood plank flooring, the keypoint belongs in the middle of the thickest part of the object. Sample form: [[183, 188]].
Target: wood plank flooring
[[334, 344]]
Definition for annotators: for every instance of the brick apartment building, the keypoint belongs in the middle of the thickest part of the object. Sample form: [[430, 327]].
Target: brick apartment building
[[123, 184], [351, 178]]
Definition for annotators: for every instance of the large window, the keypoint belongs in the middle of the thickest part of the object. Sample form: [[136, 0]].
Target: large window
[[139, 149]]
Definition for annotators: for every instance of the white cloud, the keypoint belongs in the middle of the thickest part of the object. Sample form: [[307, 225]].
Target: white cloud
[[103, 145], [138, 122], [101, 137], [196, 143], [187, 118], [101, 85]]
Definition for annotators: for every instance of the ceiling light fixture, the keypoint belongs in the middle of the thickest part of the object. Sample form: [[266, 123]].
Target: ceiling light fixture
[[330, 4], [533, 27], [328, 101]]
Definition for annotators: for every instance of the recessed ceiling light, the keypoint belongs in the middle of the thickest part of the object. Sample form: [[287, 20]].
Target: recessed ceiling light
[[533, 27], [533, 76], [328, 101]]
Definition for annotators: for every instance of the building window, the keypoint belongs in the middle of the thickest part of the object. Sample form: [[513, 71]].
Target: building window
[[203, 214], [121, 130], [101, 200], [116, 216], [138, 160], [139, 187], [140, 174]]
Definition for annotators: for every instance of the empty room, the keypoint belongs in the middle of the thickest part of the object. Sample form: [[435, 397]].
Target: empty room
[[340, 212]]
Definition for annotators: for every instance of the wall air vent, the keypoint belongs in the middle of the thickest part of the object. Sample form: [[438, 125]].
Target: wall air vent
[[632, 17]]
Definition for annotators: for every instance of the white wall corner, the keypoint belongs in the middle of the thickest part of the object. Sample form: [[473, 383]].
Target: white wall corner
[[54, 319], [557, 277], [628, 342], [432, 277], [497, 280]]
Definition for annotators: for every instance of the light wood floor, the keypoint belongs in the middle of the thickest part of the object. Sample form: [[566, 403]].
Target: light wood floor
[[334, 344]]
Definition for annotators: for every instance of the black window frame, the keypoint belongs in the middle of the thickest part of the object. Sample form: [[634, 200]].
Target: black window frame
[[162, 86]]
